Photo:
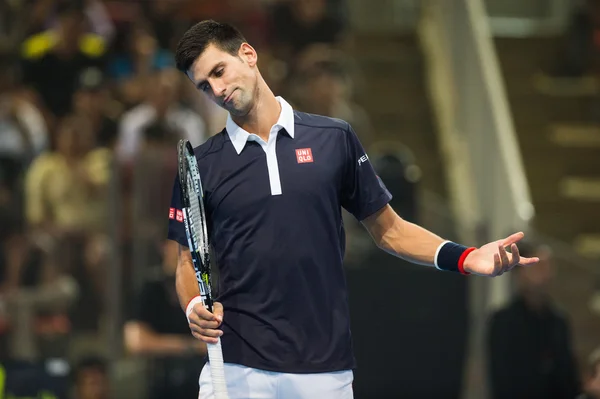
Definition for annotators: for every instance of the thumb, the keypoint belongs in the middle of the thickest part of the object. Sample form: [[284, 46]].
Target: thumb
[[218, 311]]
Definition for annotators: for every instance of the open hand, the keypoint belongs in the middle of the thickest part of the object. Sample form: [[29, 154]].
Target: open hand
[[493, 260]]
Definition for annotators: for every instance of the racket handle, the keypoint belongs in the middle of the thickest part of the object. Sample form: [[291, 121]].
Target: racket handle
[[217, 370]]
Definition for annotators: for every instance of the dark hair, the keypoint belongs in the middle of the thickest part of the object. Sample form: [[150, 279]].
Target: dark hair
[[196, 39], [90, 362]]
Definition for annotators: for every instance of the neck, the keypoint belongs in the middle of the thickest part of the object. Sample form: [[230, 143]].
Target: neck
[[263, 115]]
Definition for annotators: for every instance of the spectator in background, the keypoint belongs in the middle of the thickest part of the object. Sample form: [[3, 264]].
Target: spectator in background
[[133, 68], [90, 379], [54, 59], [159, 329], [592, 382], [162, 103], [323, 86], [66, 209], [23, 136], [300, 23], [529, 341], [92, 101], [581, 54]]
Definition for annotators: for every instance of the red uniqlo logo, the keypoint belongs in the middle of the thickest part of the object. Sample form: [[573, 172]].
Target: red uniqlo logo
[[171, 213], [304, 155], [179, 217]]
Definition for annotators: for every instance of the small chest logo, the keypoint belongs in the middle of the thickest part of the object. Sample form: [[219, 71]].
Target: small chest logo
[[171, 213], [304, 155]]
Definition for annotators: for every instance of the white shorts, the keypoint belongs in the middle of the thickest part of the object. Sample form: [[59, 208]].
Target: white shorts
[[249, 383]]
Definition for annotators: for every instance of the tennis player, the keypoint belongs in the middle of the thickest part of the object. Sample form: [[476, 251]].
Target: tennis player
[[275, 180]]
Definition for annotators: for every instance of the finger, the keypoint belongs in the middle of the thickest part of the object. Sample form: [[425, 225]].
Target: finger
[[528, 261], [208, 340], [207, 332], [218, 311], [503, 257], [516, 256], [512, 239], [497, 265], [204, 323], [203, 313]]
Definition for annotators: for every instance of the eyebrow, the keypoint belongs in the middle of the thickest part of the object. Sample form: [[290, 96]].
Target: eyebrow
[[211, 73]]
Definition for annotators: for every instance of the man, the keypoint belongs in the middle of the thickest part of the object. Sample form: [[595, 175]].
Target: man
[[156, 329], [275, 181], [530, 354], [53, 60]]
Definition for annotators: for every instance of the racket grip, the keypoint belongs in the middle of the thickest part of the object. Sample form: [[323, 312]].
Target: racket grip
[[217, 370]]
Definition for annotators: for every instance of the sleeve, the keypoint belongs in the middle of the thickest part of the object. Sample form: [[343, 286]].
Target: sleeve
[[144, 305], [363, 192], [35, 209], [176, 228]]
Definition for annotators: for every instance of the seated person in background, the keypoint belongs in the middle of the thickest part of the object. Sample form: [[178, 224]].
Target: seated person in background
[[66, 208], [163, 102], [93, 101], [134, 65], [323, 85], [90, 379], [52, 60], [299, 23], [529, 341], [158, 328]]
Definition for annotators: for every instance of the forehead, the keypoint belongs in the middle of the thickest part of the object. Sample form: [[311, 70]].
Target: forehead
[[203, 65]]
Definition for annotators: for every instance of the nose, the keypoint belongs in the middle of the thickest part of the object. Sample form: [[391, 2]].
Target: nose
[[218, 89]]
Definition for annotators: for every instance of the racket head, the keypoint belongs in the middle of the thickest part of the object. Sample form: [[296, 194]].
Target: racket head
[[195, 218]]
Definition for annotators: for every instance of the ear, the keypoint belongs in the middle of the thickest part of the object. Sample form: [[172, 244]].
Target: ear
[[248, 54]]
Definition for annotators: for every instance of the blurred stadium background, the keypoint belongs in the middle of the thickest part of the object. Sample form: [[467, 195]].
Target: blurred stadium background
[[482, 117]]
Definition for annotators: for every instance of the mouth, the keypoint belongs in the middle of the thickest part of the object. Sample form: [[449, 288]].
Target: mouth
[[228, 98]]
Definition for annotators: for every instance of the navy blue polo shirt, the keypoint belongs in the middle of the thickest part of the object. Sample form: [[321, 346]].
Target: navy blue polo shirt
[[275, 223]]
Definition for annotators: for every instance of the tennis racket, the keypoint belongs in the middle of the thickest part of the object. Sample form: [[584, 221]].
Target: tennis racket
[[192, 197]]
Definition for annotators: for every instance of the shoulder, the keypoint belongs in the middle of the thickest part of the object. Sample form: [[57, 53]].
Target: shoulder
[[503, 314], [92, 45], [302, 119], [212, 146], [38, 45]]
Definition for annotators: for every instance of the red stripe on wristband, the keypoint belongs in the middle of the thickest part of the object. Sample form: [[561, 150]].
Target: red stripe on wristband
[[461, 261], [188, 304]]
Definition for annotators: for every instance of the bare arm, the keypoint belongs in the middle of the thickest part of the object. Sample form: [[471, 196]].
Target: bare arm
[[418, 245], [185, 277], [400, 238], [140, 339], [202, 323]]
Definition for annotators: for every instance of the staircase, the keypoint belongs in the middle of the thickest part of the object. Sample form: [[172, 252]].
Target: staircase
[[560, 143], [395, 97]]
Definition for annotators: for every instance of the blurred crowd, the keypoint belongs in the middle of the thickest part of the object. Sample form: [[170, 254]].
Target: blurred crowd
[[90, 109]]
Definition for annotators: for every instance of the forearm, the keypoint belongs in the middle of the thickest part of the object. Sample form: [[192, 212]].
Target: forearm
[[141, 341], [185, 278], [410, 242]]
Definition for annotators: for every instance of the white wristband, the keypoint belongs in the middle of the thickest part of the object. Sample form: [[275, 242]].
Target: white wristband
[[190, 306]]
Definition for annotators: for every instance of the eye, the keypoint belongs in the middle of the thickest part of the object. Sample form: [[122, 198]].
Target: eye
[[219, 73], [204, 86]]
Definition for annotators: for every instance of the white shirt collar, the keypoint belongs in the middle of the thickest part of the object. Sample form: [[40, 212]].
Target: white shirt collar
[[239, 136]]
